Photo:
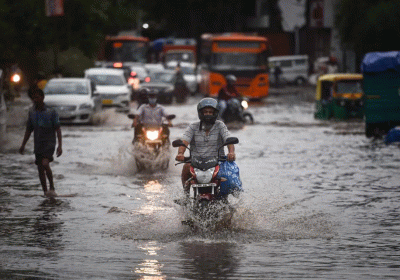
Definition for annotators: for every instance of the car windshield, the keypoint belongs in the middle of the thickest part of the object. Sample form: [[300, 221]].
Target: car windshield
[[162, 77], [187, 70], [349, 87], [66, 87], [107, 80]]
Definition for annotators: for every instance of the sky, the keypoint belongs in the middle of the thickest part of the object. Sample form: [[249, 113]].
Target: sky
[[293, 13]]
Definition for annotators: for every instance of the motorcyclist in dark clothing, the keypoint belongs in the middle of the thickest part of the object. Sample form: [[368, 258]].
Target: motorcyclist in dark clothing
[[142, 96], [226, 93], [150, 113]]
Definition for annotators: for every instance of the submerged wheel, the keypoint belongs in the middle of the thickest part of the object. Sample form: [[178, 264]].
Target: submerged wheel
[[248, 118], [139, 166], [165, 165]]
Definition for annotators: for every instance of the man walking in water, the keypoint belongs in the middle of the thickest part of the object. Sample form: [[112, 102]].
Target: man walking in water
[[45, 124]]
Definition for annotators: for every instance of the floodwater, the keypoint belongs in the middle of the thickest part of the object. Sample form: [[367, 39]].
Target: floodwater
[[321, 201]]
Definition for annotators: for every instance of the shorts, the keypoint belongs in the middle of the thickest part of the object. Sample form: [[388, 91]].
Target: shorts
[[40, 157]]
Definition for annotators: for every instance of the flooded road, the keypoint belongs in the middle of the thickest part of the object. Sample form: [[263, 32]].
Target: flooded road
[[321, 202]]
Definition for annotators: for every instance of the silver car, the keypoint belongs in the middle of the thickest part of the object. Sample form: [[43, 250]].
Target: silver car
[[112, 86], [75, 99]]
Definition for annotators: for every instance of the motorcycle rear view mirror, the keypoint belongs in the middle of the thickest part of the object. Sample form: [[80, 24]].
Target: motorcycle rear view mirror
[[231, 140], [177, 143], [171, 117]]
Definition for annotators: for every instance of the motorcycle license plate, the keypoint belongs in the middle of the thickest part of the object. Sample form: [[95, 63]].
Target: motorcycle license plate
[[107, 102], [204, 185], [153, 141]]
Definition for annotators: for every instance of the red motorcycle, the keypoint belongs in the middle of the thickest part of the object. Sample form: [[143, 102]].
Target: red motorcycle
[[208, 208]]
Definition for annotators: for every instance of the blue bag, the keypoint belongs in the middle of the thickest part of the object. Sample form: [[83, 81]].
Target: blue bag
[[393, 135], [230, 171]]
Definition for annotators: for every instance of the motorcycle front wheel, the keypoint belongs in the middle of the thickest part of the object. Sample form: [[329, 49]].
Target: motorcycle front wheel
[[248, 118]]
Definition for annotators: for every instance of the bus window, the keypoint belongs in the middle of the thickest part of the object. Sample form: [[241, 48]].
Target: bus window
[[126, 51]]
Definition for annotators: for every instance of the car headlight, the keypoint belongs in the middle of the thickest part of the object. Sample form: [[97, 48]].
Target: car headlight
[[204, 177], [245, 105], [86, 106], [152, 135]]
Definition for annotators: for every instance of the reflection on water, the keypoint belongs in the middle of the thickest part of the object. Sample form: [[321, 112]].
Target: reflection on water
[[209, 259], [320, 201], [150, 268], [47, 227]]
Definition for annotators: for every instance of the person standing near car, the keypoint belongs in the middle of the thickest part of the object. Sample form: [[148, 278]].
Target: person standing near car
[[181, 89], [277, 75], [44, 123]]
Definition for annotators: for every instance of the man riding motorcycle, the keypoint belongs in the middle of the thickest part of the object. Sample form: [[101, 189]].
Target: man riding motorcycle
[[226, 93], [204, 137], [151, 114]]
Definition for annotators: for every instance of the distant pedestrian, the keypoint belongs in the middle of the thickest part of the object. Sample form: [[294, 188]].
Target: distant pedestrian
[[277, 75], [45, 124]]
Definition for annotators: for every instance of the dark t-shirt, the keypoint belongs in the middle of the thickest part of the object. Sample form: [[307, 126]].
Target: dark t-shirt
[[44, 125], [228, 92]]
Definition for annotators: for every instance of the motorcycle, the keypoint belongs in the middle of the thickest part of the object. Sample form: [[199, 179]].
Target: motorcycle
[[152, 146], [207, 204], [236, 111]]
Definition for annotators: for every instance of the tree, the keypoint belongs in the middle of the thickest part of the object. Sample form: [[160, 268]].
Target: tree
[[27, 30], [370, 25]]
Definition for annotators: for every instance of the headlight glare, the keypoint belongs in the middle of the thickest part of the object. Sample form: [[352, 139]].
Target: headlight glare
[[204, 177], [152, 134]]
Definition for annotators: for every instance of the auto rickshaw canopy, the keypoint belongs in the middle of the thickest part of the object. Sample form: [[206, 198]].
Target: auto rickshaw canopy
[[334, 78]]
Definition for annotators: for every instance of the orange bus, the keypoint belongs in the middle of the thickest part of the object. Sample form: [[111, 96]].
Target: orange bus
[[245, 56], [123, 49]]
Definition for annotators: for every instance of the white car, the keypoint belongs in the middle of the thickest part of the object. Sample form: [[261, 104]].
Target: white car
[[112, 86], [75, 99]]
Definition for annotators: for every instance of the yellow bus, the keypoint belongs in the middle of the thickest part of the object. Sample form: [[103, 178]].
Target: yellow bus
[[245, 56]]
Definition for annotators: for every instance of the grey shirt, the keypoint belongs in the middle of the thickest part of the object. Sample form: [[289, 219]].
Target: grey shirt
[[151, 115], [44, 125], [206, 145]]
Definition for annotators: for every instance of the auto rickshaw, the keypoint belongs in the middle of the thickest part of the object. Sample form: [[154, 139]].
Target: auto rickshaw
[[381, 84], [339, 96]]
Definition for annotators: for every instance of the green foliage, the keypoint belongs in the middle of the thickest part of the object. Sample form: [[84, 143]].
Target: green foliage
[[371, 25], [28, 31]]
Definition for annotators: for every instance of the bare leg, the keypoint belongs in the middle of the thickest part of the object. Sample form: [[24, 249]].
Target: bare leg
[[42, 177], [49, 173], [185, 176]]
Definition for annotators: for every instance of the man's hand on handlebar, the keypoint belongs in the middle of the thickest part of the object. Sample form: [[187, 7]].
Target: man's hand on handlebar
[[180, 157]]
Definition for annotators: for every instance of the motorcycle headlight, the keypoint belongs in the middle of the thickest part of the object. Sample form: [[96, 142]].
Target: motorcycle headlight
[[152, 135], [204, 177], [85, 106], [245, 105], [16, 78]]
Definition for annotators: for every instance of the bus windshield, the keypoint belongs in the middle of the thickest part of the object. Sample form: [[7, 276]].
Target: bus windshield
[[126, 51], [221, 61]]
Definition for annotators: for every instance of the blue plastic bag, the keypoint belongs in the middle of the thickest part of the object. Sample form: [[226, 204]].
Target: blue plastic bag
[[393, 135], [230, 171]]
